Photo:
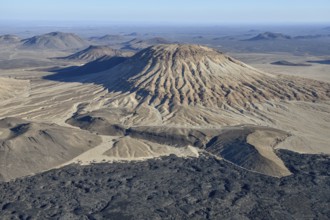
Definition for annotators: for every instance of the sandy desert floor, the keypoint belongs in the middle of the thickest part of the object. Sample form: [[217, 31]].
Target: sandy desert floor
[[263, 61]]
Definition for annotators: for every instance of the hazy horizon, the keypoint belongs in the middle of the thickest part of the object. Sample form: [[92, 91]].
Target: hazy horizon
[[146, 12]]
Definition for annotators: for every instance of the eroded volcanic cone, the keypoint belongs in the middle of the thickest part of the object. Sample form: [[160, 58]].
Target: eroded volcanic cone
[[167, 75]]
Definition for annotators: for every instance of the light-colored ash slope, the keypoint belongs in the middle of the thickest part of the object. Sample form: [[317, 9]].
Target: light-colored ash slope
[[10, 88]]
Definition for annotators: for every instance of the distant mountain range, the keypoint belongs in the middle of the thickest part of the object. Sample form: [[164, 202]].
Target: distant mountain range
[[280, 36], [312, 36], [287, 63], [108, 38], [270, 36]]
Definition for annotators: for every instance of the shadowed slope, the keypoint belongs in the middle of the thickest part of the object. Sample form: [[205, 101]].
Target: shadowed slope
[[94, 52], [77, 73], [288, 63]]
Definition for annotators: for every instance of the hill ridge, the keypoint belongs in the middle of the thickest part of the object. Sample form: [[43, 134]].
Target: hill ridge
[[54, 40]]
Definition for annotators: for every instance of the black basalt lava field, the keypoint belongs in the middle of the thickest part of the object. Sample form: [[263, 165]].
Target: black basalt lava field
[[172, 188]]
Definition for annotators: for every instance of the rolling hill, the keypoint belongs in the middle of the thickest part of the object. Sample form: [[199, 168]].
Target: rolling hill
[[95, 52], [54, 41], [9, 39], [31, 147]]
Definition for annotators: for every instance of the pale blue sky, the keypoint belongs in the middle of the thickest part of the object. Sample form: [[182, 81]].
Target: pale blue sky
[[168, 12]]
